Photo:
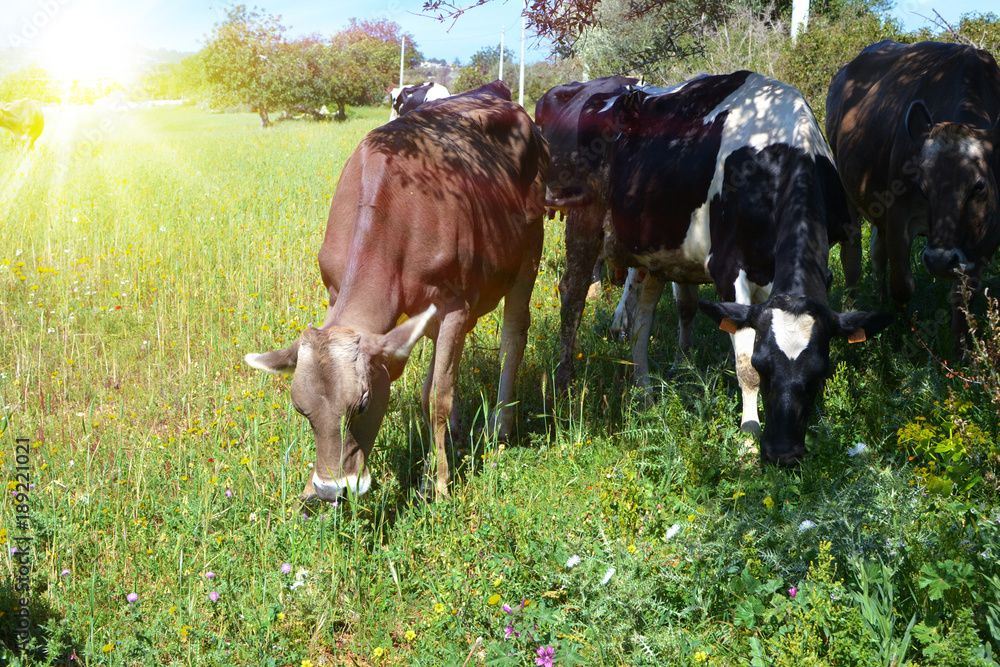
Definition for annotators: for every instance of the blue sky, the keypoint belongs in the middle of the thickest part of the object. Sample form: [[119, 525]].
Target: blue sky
[[81, 35]]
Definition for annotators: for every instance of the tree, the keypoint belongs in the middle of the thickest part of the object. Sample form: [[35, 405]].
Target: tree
[[483, 69], [243, 61]]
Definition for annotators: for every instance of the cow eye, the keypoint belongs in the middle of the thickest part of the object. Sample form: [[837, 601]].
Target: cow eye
[[979, 187], [363, 404]]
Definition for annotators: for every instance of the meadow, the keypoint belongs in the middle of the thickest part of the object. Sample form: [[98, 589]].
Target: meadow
[[146, 251]]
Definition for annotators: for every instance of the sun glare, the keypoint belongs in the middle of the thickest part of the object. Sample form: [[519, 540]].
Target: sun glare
[[87, 47]]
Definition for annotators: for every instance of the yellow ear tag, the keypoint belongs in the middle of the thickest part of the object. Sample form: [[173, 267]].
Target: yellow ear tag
[[728, 325], [857, 336], [402, 318]]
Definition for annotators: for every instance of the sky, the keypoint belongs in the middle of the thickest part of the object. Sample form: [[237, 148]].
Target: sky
[[72, 37], [81, 34]]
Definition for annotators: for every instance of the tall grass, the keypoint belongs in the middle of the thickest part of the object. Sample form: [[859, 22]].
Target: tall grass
[[147, 251]]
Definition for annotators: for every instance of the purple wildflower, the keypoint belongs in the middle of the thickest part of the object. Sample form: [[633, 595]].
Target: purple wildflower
[[132, 597], [210, 575], [229, 493], [64, 573], [506, 608], [545, 654], [213, 596], [792, 591], [286, 568]]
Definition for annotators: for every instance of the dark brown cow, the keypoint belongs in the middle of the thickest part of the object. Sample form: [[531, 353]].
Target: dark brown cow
[[558, 115], [914, 131], [437, 214]]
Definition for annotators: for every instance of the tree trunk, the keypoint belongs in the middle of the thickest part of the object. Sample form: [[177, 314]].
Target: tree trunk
[[264, 120], [341, 112]]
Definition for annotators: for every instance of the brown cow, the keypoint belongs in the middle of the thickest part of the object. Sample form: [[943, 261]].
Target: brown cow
[[437, 214], [915, 132], [23, 118]]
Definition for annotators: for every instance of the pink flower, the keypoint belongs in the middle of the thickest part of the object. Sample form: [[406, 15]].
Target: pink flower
[[506, 608], [209, 574], [545, 654], [132, 597], [286, 568], [792, 591], [229, 493], [509, 630], [213, 596]]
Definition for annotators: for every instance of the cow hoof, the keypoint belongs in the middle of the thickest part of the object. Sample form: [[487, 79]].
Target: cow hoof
[[751, 427]]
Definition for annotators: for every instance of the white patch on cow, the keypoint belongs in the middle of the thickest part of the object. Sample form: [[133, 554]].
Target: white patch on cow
[[968, 147], [332, 490], [791, 332], [762, 112]]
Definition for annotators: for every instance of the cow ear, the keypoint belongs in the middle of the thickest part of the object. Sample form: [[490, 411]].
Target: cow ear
[[278, 361], [393, 349], [858, 326], [918, 121], [730, 316]]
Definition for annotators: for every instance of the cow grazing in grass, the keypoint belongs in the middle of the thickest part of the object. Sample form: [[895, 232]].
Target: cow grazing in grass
[[558, 116], [24, 120], [727, 180], [915, 129], [408, 98], [437, 215]]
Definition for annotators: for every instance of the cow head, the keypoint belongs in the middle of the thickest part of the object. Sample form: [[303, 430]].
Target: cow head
[[341, 385], [792, 357], [958, 166], [578, 148]]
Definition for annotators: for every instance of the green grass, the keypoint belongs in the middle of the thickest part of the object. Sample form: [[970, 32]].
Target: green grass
[[145, 252]]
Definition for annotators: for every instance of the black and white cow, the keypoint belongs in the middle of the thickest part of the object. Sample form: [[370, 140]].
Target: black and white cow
[[409, 98], [726, 179]]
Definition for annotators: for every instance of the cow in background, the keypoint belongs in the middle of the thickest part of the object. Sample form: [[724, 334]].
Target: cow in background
[[915, 129], [409, 98], [23, 119], [557, 114], [725, 179], [437, 215]]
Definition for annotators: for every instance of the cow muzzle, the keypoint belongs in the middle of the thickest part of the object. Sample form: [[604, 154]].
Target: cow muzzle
[[786, 457], [564, 199], [947, 263]]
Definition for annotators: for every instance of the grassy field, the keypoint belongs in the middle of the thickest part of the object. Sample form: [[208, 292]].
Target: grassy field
[[146, 251]]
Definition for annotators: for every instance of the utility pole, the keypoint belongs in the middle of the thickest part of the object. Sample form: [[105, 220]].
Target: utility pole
[[520, 85], [800, 17], [501, 53], [402, 58]]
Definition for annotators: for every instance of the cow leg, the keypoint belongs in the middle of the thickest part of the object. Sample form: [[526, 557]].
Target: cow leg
[[513, 337], [879, 260], [686, 298], [439, 397], [621, 322], [850, 254], [961, 300], [746, 374], [584, 237], [898, 242], [649, 296]]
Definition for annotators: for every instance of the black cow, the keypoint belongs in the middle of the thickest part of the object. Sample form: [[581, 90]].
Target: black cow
[[915, 132], [409, 98], [726, 179]]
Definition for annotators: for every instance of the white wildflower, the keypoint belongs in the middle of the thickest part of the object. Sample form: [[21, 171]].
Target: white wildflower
[[673, 530], [607, 576], [858, 448], [573, 561], [806, 525]]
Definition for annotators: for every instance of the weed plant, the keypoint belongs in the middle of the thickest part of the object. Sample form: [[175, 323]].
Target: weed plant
[[146, 251]]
